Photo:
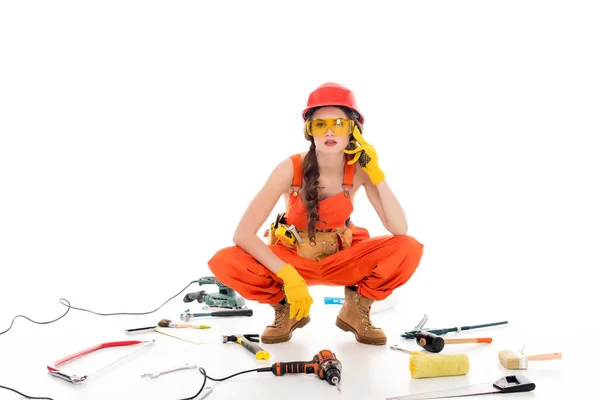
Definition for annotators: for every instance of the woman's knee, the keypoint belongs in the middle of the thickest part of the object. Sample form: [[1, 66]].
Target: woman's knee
[[224, 260], [409, 245]]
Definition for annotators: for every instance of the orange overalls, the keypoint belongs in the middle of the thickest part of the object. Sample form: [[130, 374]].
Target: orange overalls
[[376, 265]]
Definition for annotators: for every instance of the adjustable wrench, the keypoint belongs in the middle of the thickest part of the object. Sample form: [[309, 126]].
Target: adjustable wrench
[[180, 368]]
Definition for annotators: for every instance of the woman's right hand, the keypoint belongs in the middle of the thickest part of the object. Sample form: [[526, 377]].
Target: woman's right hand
[[296, 292]]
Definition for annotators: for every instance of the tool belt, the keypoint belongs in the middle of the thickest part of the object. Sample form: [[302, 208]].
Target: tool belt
[[326, 243]]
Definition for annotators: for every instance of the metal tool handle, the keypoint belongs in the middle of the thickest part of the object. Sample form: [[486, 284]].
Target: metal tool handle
[[138, 330], [255, 349], [294, 232], [157, 374], [464, 328], [205, 392], [422, 322], [232, 313]]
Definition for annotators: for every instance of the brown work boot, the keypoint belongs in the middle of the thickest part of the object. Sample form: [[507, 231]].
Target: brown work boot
[[282, 327], [354, 317]]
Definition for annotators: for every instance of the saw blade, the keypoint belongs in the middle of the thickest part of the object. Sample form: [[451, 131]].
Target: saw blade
[[506, 384], [471, 390]]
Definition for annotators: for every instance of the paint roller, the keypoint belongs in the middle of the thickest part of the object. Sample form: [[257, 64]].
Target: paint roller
[[424, 365], [431, 366]]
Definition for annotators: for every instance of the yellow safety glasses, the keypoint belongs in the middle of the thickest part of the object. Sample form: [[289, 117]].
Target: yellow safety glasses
[[339, 126]]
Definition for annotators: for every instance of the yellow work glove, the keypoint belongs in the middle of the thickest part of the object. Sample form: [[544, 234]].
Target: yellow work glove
[[296, 292], [366, 157]]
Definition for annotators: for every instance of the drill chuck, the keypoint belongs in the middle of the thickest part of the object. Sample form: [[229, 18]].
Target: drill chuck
[[333, 376]]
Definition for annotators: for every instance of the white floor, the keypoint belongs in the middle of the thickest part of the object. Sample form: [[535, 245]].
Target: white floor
[[369, 372]]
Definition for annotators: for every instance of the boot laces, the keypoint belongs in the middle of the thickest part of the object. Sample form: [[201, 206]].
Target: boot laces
[[366, 319], [365, 314], [279, 317]]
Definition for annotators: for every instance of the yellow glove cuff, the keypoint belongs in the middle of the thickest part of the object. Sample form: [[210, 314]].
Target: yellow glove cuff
[[288, 273], [376, 175]]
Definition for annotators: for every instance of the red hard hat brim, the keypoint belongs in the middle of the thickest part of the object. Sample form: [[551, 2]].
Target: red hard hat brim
[[361, 119]]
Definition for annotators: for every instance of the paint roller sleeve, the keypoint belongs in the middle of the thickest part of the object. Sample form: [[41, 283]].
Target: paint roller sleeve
[[430, 366]]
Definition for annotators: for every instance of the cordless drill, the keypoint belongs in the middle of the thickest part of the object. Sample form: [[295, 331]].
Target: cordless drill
[[325, 365]]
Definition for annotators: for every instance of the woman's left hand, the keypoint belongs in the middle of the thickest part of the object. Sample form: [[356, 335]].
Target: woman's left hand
[[366, 156]]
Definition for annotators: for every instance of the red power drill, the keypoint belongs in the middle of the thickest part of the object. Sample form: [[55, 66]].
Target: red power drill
[[325, 365]]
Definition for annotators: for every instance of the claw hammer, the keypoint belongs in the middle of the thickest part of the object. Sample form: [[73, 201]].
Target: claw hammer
[[247, 342]]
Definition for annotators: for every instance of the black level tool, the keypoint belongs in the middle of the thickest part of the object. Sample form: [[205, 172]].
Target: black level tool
[[506, 384], [413, 334]]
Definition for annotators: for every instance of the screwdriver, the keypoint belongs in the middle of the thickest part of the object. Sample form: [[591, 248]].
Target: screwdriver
[[411, 352]]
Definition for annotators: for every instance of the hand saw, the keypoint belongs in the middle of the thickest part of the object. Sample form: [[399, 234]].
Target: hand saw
[[506, 384], [54, 371]]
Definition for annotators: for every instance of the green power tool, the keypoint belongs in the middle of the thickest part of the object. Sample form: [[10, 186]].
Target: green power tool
[[225, 298]]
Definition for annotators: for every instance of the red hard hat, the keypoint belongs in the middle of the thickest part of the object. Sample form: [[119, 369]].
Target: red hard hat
[[332, 94]]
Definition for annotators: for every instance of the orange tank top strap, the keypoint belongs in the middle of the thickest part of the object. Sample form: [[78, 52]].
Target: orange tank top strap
[[297, 181], [348, 177], [296, 185]]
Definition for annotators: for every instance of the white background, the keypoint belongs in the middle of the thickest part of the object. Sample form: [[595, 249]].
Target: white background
[[134, 133]]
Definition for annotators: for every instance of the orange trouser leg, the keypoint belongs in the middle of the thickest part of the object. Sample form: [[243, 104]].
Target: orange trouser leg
[[234, 267], [377, 265]]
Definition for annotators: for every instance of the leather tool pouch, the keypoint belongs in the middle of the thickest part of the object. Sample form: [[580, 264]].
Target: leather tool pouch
[[326, 243]]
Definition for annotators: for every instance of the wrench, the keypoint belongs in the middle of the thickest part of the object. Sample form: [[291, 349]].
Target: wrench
[[205, 392], [180, 368]]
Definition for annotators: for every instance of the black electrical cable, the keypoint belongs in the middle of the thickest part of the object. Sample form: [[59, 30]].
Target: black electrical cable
[[69, 307], [24, 395], [203, 372]]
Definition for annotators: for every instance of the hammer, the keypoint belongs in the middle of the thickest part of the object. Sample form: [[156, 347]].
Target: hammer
[[246, 342], [434, 343], [187, 315]]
